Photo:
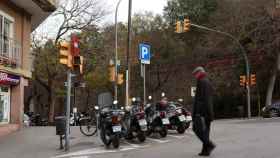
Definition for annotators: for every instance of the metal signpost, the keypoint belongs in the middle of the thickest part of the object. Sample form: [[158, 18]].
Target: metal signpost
[[145, 57], [69, 77], [70, 56]]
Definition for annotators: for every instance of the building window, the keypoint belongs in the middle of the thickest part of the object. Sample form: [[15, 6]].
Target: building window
[[6, 33], [4, 104]]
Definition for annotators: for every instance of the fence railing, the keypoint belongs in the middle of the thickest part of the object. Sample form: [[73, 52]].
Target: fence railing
[[10, 52]]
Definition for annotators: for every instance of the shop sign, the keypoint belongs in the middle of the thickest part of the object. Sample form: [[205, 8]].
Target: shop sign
[[8, 79]]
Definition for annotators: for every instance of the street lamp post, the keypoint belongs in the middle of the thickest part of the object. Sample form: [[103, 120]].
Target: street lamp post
[[116, 51], [245, 58]]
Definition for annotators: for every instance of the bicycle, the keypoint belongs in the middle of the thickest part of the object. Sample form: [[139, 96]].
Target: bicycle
[[88, 123]]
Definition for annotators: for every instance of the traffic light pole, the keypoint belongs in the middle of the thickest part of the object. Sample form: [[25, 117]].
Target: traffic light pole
[[67, 139], [128, 52], [244, 56], [116, 50]]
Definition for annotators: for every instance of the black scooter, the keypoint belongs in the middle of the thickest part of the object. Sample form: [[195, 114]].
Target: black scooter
[[178, 120], [110, 124], [136, 121], [157, 119]]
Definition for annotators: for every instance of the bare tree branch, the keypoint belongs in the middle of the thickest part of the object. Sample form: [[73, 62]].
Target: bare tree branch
[[78, 15]]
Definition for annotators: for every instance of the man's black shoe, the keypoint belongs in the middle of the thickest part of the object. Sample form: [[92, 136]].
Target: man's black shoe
[[203, 151], [210, 148], [204, 154]]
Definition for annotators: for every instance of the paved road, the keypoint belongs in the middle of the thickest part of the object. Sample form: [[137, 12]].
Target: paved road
[[256, 138]]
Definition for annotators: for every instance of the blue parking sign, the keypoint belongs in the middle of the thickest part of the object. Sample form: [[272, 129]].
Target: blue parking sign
[[145, 53]]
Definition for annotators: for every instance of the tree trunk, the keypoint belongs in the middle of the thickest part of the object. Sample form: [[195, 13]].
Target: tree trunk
[[51, 101], [271, 83], [52, 106], [270, 88], [87, 98]]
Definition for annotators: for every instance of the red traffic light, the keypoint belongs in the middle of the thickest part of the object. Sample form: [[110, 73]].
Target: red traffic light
[[75, 48]]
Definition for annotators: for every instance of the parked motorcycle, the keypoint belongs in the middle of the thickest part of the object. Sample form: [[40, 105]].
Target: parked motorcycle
[[157, 119], [135, 121], [177, 118], [110, 124], [36, 119]]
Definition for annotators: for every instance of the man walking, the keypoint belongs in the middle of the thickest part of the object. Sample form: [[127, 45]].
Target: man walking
[[203, 113]]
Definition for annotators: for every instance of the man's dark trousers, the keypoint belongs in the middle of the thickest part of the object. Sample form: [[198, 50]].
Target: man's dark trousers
[[201, 128]]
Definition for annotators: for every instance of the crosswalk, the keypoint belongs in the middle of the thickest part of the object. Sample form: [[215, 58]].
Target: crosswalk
[[126, 146]]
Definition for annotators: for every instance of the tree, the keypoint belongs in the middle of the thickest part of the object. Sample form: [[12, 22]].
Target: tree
[[73, 16], [197, 10]]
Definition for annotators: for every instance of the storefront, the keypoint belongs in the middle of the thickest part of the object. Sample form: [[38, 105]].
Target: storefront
[[7, 81]]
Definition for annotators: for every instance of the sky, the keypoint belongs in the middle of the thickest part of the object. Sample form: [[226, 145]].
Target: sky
[[49, 27], [155, 6]]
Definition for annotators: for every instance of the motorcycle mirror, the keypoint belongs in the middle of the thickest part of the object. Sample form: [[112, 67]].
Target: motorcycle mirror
[[133, 99], [96, 107], [115, 102]]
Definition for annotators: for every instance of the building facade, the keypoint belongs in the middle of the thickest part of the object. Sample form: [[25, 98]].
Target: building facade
[[18, 18]]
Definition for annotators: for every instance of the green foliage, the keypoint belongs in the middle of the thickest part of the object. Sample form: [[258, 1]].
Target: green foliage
[[197, 10]]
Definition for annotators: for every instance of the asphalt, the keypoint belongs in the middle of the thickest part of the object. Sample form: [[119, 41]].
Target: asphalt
[[256, 138]]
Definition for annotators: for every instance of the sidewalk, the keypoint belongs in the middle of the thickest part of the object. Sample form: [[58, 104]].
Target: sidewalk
[[7, 129], [41, 142]]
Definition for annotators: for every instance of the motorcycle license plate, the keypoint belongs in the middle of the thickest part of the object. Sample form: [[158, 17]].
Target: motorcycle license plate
[[165, 121], [117, 128], [182, 118], [142, 122], [189, 118]]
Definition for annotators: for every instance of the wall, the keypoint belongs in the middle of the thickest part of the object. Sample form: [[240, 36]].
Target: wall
[[17, 101], [22, 31]]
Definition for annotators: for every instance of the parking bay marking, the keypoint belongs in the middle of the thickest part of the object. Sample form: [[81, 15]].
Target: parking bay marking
[[157, 140], [136, 145], [99, 150], [178, 137]]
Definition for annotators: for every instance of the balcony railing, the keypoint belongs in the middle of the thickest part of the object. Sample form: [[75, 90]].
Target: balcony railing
[[10, 52]]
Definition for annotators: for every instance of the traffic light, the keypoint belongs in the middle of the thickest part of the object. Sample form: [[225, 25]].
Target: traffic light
[[178, 27], [65, 54], [242, 80], [76, 63], [75, 49], [187, 25], [120, 78], [253, 79], [112, 73]]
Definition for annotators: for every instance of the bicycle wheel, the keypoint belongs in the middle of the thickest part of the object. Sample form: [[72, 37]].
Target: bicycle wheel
[[88, 127]]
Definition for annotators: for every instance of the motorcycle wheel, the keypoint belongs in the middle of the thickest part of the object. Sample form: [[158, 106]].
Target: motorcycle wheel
[[116, 141], [148, 133], [188, 125], [103, 137], [129, 136], [141, 136], [181, 129], [163, 132]]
